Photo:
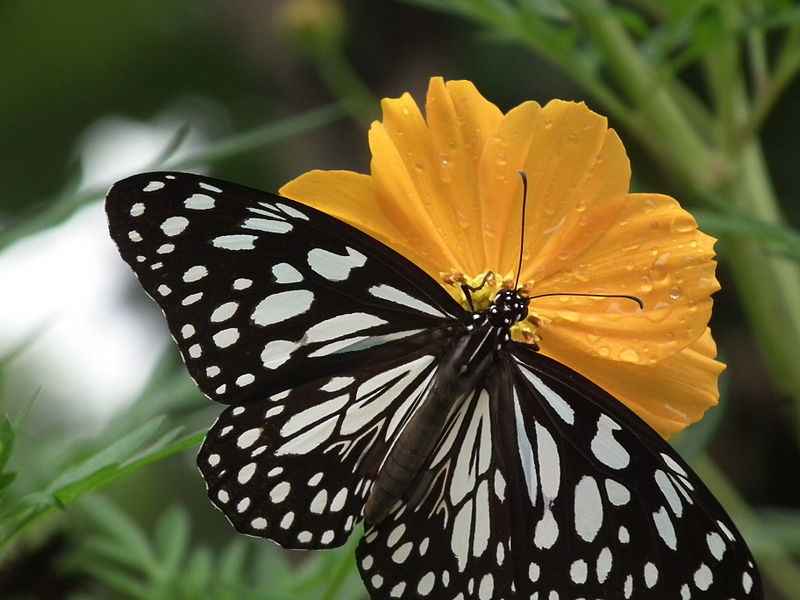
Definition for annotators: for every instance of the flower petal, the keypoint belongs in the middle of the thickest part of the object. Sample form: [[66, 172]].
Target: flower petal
[[654, 252], [669, 395], [578, 177], [425, 171]]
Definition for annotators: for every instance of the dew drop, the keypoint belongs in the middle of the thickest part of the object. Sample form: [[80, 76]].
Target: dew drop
[[501, 159], [603, 351], [581, 205], [582, 275], [629, 266], [406, 111], [630, 355], [572, 138], [646, 284], [592, 337], [547, 123], [583, 220], [573, 316], [683, 223], [419, 167], [660, 267], [649, 206], [675, 292]]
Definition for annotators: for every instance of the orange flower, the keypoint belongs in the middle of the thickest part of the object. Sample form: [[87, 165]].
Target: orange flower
[[445, 192]]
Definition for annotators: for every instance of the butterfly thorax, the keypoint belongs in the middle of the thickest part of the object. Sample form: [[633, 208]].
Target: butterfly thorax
[[459, 374]]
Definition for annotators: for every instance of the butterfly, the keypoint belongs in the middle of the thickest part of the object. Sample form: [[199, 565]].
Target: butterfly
[[358, 390]]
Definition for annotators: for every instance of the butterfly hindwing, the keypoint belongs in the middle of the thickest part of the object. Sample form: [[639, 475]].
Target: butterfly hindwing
[[552, 487], [297, 467], [262, 293]]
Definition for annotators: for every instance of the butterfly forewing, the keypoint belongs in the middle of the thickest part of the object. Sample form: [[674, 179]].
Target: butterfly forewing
[[262, 293], [552, 487]]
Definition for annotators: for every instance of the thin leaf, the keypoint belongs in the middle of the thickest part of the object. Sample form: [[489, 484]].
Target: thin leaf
[[172, 541]]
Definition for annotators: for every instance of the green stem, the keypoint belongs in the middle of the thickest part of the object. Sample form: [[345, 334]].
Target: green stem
[[769, 284], [661, 124]]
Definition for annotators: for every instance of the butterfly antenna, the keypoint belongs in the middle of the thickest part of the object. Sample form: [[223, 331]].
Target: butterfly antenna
[[524, 177], [624, 296]]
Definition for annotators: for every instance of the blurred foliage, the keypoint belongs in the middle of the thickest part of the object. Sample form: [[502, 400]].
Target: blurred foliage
[[704, 93]]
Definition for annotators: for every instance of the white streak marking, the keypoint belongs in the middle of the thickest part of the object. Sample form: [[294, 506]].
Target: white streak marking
[[291, 211], [337, 383], [153, 186], [209, 187], [556, 402], [267, 225], [669, 492], [665, 527], [341, 325], [392, 294]]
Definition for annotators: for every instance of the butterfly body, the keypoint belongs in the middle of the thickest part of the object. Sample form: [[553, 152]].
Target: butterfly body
[[359, 389]]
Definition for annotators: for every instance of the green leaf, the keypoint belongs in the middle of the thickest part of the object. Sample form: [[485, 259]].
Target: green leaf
[[172, 541]]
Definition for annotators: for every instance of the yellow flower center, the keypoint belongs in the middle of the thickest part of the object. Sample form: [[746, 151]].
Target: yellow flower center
[[482, 290]]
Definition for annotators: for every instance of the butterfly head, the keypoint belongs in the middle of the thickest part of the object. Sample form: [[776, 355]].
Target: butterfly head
[[509, 307]]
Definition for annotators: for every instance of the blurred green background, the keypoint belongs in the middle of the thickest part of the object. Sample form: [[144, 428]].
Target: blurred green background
[[99, 496]]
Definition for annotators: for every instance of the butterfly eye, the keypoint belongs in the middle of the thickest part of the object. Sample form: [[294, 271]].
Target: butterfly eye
[[358, 389]]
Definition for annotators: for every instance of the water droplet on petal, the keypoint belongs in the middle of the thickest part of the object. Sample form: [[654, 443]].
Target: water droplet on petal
[[501, 160], [683, 223], [572, 138], [646, 284], [660, 267], [675, 292], [548, 123], [630, 355], [629, 266], [603, 351], [573, 316]]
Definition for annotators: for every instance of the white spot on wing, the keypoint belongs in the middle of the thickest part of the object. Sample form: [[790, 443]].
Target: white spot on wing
[[153, 186], [588, 508], [335, 267], [137, 210], [199, 202], [281, 306], [173, 226], [277, 352], [606, 448], [235, 241], [194, 273], [286, 273]]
